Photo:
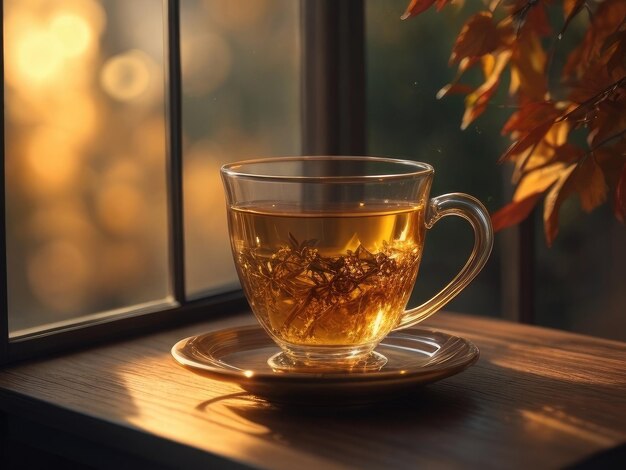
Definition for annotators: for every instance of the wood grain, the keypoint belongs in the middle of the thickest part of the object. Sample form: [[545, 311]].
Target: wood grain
[[537, 397]]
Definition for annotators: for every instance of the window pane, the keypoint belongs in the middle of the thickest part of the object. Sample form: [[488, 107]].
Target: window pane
[[580, 280], [85, 158], [406, 66], [240, 100]]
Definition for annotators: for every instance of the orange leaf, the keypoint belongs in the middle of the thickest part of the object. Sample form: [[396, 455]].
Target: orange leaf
[[479, 36], [590, 185], [528, 141], [514, 212], [571, 8], [619, 203], [454, 89], [476, 102], [531, 115], [560, 191], [528, 64], [606, 19], [537, 21], [420, 6], [538, 181]]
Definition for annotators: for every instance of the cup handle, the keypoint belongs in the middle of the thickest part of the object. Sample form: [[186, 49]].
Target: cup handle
[[475, 213]]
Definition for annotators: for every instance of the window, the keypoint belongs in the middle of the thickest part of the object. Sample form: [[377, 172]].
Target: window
[[94, 182], [114, 210], [84, 159], [240, 100]]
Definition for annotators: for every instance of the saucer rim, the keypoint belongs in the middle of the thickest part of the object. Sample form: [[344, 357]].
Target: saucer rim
[[470, 351]]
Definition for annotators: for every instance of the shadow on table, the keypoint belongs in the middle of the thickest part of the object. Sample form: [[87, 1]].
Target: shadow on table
[[345, 434], [489, 413]]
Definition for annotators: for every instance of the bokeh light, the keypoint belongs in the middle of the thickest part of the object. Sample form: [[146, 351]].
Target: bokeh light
[[126, 76], [72, 32]]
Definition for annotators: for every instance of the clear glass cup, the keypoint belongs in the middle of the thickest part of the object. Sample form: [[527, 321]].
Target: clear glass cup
[[328, 249]]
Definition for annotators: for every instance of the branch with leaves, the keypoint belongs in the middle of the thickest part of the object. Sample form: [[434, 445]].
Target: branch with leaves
[[568, 141]]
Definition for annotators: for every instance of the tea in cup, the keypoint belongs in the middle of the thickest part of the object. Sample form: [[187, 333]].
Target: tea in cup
[[327, 250]]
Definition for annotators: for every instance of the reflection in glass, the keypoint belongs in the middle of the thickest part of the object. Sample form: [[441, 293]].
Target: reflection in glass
[[85, 158], [240, 100]]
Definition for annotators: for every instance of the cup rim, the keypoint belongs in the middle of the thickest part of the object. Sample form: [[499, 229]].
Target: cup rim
[[233, 169]]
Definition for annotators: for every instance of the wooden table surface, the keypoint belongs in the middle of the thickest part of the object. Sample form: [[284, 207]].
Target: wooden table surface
[[537, 398]]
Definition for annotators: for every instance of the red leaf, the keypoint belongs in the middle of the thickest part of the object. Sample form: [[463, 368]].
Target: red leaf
[[590, 184], [606, 20], [537, 21], [416, 7], [479, 36], [419, 6], [514, 212], [531, 115], [529, 140], [454, 89]]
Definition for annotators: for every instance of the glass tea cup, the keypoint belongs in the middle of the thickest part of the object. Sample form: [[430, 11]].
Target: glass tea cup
[[327, 250]]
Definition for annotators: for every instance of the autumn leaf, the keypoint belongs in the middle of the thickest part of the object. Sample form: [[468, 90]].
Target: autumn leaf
[[586, 179], [476, 102], [606, 20], [478, 36], [514, 212], [528, 68], [529, 140], [553, 148], [548, 126], [589, 183], [454, 89], [571, 8], [419, 6], [560, 191], [538, 180], [530, 115]]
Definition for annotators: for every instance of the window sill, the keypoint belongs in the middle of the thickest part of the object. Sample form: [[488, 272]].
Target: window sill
[[130, 402]]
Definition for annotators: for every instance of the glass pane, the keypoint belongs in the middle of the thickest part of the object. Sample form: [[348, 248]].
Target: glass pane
[[580, 279], [240, 100], [85, 159], [406, 67]]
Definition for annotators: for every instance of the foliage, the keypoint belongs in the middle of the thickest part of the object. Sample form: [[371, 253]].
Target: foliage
[[568, 139]]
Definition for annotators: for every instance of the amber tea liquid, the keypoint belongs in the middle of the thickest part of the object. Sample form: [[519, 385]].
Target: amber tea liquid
[[332, 277]]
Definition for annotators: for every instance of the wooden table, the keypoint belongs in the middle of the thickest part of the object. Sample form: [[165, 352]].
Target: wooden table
[[537, 398]]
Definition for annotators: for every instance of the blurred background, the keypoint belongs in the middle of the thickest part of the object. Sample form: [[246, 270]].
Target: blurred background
[[86, 156]]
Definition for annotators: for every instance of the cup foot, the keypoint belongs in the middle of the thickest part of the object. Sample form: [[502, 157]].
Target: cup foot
[[285, 362]]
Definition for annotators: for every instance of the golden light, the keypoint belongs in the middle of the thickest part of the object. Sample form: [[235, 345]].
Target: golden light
[[73, 33], [66, 219], [120, 208], [39, 56], [75, 112], [51, 158], [120, 264], [126, 76], [91, 11], [58, 273]]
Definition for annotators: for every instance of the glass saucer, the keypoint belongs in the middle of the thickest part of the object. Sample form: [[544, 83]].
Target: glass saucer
[[416, 356]]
